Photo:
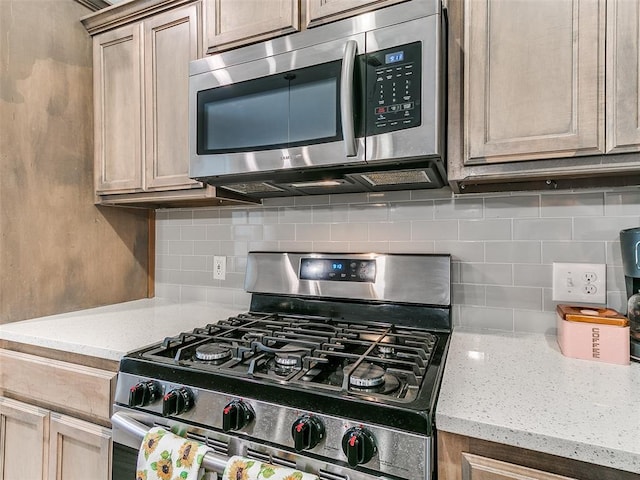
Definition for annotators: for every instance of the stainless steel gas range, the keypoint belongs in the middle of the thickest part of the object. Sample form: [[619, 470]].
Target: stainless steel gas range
[[334, 370]]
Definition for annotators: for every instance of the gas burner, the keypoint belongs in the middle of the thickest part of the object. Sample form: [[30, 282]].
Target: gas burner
[[371, 378], [283, 369], [287, 358], [213, 352], [287, 361], [367, 375]]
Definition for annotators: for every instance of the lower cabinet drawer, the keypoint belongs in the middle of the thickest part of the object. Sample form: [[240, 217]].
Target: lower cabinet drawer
[[60, 385]]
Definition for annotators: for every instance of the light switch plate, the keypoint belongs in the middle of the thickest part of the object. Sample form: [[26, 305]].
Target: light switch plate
[[580, 282]]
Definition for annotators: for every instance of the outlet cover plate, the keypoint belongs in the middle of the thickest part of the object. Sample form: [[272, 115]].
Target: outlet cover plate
[[580, 282], [219, 267]]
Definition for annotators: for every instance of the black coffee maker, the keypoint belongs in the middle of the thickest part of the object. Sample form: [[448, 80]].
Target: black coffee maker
[[630, 247]]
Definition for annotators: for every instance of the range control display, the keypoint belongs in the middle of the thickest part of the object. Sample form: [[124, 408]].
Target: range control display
[[338, 270], [394, 88]]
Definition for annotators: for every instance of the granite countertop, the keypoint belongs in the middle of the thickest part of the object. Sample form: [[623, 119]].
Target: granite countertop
[[518, 389], [112, 331]]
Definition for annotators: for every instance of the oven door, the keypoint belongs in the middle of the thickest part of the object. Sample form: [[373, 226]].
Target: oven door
[[130, 427], [297, 109]]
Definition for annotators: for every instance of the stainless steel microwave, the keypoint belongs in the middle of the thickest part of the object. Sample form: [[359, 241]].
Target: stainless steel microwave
[[355, 105]]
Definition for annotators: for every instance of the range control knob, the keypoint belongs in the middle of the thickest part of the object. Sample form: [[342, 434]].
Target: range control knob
[[236, 415], [144, 393], [358, 445], [177, 401], [307, 431]]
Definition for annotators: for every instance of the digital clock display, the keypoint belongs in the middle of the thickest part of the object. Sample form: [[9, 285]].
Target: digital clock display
[[338, 269], [394, 57]]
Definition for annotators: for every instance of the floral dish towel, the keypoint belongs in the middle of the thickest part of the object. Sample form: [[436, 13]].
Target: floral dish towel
[[242, 468], [166, 456]]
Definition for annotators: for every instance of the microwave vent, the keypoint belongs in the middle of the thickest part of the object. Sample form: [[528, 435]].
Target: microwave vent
[[397, 177], [252, 188]]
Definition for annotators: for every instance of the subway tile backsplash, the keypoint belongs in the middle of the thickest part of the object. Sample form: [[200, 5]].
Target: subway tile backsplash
[[502, 245]]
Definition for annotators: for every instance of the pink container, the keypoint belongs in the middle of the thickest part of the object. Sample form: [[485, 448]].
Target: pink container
[[594, 341]]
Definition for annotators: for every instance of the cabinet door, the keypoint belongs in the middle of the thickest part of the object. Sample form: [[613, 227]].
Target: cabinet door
[[78, 449], [324, 11], [118, 110], [171, 42], [475, 467], [534, 79], [231, 23], [623, 76], [24, 434]]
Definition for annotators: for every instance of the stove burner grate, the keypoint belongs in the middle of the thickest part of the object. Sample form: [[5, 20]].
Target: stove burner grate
[[378, 359]]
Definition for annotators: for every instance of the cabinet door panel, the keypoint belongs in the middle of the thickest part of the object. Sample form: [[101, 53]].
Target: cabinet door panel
[[78, 449], [231, 23], [534, 84], [117, 103], [24, 434], [623, 76], [475, 467], [171, 42], [324, 11]]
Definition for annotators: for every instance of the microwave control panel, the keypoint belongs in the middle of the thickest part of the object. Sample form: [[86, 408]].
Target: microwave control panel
[[393, 88]]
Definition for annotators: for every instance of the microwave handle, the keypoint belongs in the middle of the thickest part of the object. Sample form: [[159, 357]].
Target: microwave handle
[[346, 98]]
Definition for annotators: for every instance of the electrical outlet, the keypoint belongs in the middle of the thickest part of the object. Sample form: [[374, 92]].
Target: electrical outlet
[[219, 268], [580, 282]]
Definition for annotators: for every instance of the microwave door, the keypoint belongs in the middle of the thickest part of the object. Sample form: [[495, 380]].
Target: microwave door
[[293, 110]]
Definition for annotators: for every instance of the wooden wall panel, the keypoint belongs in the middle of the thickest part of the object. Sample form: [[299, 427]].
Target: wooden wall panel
[[58, 251]]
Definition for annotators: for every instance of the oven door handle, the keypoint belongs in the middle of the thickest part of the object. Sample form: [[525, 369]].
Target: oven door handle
[[211, 461]]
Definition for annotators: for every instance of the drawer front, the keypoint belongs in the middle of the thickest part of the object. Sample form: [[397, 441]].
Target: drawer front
[[56, 384]]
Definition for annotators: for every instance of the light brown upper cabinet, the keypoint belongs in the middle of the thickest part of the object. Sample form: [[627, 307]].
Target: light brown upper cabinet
[[117, 90], [141, 82], [141, 55], [324, 11], [527, 102], [623, 76], [535, 82], [232, 23]]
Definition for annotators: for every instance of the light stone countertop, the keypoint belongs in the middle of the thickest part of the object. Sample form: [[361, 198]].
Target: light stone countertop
[[518, 389], [110, 332]]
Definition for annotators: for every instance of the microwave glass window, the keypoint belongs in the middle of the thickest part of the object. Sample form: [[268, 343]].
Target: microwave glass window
[[247, 121], [298, 107], [313, 110]]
